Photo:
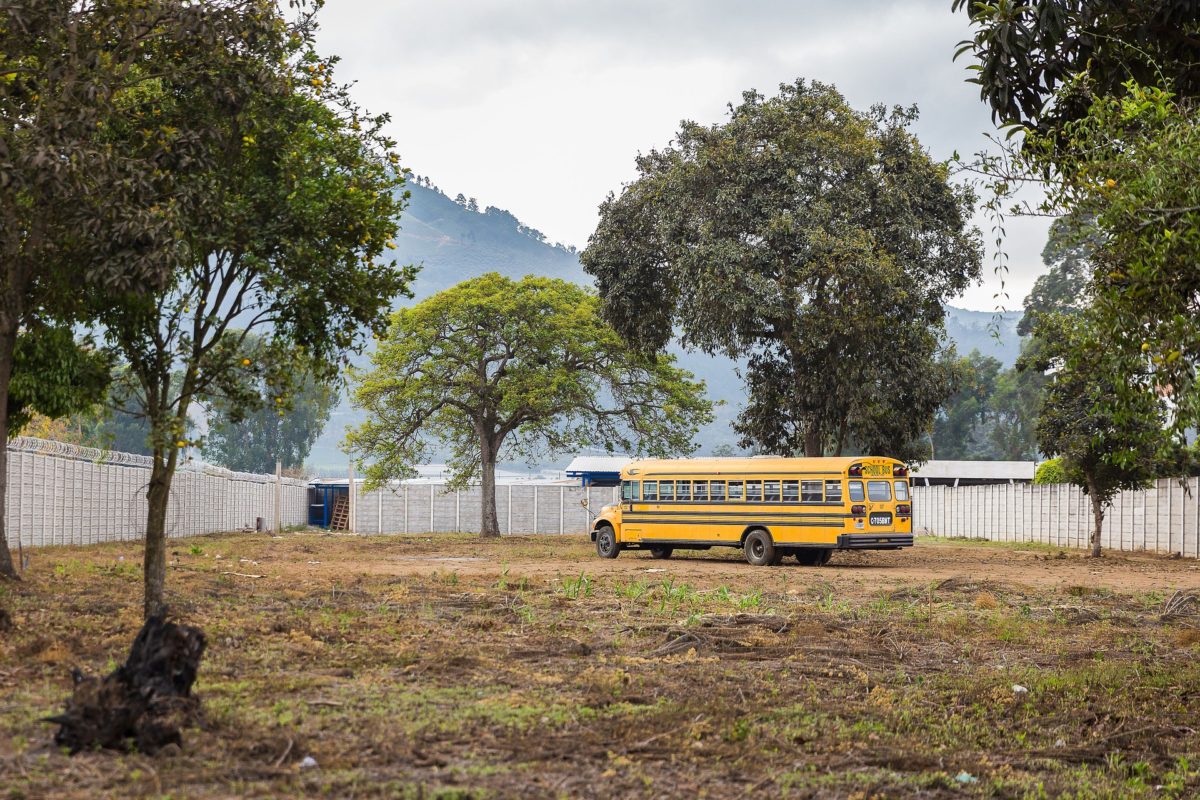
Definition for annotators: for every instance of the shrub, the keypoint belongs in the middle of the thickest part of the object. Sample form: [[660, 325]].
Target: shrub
[[1050, 472]]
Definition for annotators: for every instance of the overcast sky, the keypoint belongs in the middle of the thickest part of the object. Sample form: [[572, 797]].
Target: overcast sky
[[539, 106]]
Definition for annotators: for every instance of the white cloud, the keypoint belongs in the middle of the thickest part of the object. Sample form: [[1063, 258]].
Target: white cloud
[[540, 106]]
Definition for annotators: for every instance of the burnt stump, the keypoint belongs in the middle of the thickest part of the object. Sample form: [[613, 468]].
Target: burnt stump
[[142, 704]]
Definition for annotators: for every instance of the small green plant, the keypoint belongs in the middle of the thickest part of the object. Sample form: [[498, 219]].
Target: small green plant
[[634, 590], [196, 550], [575, 588], [750, 600]]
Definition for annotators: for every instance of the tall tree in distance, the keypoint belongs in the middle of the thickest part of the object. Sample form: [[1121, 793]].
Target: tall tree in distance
[[815, 241], [285, 239], [283, 429], [522, 368]]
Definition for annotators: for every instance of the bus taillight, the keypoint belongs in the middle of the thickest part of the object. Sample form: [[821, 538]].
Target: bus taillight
[[855, 471], [858, 510], [899, 471], [903, 510]]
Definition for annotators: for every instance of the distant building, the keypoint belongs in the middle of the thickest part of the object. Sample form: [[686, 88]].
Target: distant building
[[973, 473], [597, 470]]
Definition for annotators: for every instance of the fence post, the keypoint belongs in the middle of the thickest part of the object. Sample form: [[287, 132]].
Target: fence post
[[535, 509], [278, 496]]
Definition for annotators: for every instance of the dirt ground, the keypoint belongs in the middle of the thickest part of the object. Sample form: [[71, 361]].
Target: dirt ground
[[443, 666]]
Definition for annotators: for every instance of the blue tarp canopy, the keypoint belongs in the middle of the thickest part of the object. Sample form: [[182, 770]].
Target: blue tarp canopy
[[597, 470]]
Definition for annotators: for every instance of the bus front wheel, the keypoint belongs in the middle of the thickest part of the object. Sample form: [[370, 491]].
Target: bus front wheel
[[759, 548], [606, 542], [661, 552]]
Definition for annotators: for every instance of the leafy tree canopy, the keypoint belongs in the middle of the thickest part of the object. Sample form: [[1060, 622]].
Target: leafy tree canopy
[[289, 222], [1027, 51], [816, 241], [80, 217], [522, 367], [54, 375]]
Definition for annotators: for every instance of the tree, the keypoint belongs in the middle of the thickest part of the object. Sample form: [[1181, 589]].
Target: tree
[[1016, 404], [300, 200], [80, 217], [961, 429], [1027, 51], [525, 367], [1103, 448], [54, 375], [815, 241], [284, 430], [1070, 247]]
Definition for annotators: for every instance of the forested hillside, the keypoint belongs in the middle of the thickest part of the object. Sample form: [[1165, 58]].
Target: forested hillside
[[453, 239]]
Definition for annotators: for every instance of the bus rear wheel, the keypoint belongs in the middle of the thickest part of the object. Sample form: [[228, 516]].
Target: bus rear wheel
[[606, 542], [661, 552], [759, 548], [813, 556]]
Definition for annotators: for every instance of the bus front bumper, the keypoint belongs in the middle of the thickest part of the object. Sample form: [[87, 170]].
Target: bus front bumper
[[874, 541]]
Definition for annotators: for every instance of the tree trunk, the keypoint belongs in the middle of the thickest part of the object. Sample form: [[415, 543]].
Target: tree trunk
[[813, 447], [1097, 514], [154, 567], [8, 344], [489, 523]]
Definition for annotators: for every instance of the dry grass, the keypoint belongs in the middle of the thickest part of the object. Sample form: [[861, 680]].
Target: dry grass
[[422, 667]]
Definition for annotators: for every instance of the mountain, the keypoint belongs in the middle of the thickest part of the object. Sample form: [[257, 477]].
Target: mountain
[[453, 241]]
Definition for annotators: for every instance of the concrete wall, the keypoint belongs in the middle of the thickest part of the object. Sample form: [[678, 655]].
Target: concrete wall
[[62, 494], [521, 508], [1164, 518]]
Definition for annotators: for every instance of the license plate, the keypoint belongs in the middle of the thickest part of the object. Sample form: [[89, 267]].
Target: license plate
[[881, 519]]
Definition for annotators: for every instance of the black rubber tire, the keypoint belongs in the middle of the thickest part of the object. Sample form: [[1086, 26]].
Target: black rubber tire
[[606, 542], [659, 551], [759, 548], [813, 556]]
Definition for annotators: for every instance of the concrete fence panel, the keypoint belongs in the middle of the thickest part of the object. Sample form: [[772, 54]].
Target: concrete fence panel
[[60, 494], [1164, 518]]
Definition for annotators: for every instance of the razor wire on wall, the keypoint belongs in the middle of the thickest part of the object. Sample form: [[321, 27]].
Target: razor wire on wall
[[61, 493]]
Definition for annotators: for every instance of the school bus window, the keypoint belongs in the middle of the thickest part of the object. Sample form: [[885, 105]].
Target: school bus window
[[791, 491], [629, 490], [833, 491], [666, 491], [683, 491], [901, 491], [810, 492], [879, 491], [650, 490], [700, 491], [753, 491], [856, 492], [735, 490], [771, 491], [717, 490]]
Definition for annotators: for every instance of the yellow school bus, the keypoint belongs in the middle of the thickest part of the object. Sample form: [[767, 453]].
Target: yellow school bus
[[770, 507]]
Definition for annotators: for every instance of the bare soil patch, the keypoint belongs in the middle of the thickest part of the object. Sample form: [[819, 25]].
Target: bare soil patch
[[443, 666]]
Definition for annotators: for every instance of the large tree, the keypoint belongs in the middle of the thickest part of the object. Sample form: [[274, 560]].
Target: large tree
[[301, 201], [815, 241], [495, 367], [81, 218]]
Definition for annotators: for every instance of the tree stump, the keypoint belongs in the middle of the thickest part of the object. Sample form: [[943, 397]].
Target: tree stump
[[145, 702]]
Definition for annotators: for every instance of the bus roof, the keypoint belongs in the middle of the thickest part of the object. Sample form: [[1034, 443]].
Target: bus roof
[[742, 466]]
